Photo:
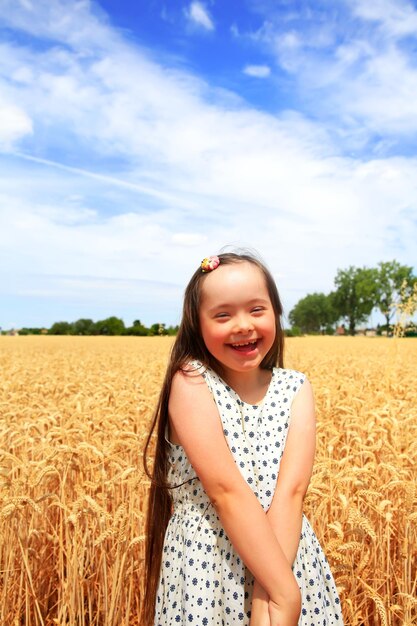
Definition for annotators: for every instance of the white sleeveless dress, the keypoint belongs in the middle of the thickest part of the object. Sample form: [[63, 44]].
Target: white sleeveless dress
[[203, 581]]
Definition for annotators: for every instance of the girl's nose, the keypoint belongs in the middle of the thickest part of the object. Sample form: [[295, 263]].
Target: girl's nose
[[244, 324]]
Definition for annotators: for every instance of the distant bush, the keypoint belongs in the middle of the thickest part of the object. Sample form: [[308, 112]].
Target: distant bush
[[294, 331]]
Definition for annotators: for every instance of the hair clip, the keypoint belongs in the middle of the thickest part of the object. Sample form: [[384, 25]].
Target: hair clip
[[210, 263]]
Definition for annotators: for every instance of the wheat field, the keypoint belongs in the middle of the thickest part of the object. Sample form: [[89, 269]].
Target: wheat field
[[73, 417]]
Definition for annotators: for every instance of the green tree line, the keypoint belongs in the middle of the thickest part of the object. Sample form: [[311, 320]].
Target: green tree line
[[358, 291], [109, 326]]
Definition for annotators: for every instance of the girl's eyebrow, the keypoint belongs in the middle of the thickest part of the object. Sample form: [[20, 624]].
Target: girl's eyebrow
[[228, 305]]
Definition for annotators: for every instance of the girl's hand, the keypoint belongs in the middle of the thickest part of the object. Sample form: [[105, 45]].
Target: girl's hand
[[259, 608], [285, 615]]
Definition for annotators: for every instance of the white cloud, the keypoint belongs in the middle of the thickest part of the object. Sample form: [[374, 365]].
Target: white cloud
[[355, 71], [257, 71], [383, 94], [79, 23], [234, 29], [188, 239], [199, 15], [398, 18], [14, 124]]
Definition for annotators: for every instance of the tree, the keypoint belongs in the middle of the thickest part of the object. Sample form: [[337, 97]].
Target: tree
[[313, 313], [172, 330], [61, 328], [355, 295], [110, 326], [157, 329], [84, 326], [394, 285], [137, 329]]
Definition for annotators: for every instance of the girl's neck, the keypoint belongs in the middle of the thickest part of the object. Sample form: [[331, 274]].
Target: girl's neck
[[252, 386]]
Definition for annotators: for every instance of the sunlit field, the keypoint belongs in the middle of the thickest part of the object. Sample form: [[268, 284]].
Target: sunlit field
[[73, 418]]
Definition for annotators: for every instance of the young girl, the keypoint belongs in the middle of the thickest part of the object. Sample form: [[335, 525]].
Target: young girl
[[227, 542]]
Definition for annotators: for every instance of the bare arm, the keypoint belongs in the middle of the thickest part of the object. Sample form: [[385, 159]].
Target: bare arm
[[285, 512], [195, 419]]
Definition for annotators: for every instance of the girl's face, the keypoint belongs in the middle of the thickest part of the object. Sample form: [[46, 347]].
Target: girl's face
[[236, 316]]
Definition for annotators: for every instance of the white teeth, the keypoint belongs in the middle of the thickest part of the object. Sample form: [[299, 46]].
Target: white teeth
[[247, 343]]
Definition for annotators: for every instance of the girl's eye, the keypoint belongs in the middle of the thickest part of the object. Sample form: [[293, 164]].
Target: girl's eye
[[257, 309], [222, 315]]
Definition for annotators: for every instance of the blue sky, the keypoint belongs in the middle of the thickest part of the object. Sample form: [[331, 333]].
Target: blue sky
[[138, 137]]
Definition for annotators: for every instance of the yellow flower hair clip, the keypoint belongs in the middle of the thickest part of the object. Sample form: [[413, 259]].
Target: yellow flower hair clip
[[210, 263]]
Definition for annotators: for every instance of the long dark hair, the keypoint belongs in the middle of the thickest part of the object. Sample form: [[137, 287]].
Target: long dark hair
[[188, 345]]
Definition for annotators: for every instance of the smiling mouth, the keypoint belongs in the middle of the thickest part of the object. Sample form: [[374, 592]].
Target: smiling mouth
[[245, 346]]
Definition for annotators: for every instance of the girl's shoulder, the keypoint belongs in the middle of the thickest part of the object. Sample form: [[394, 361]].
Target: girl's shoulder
[[193, 367], [188, 385], [287, 382], [192, 372], [290, 374], [287, 379], [212, 379]]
